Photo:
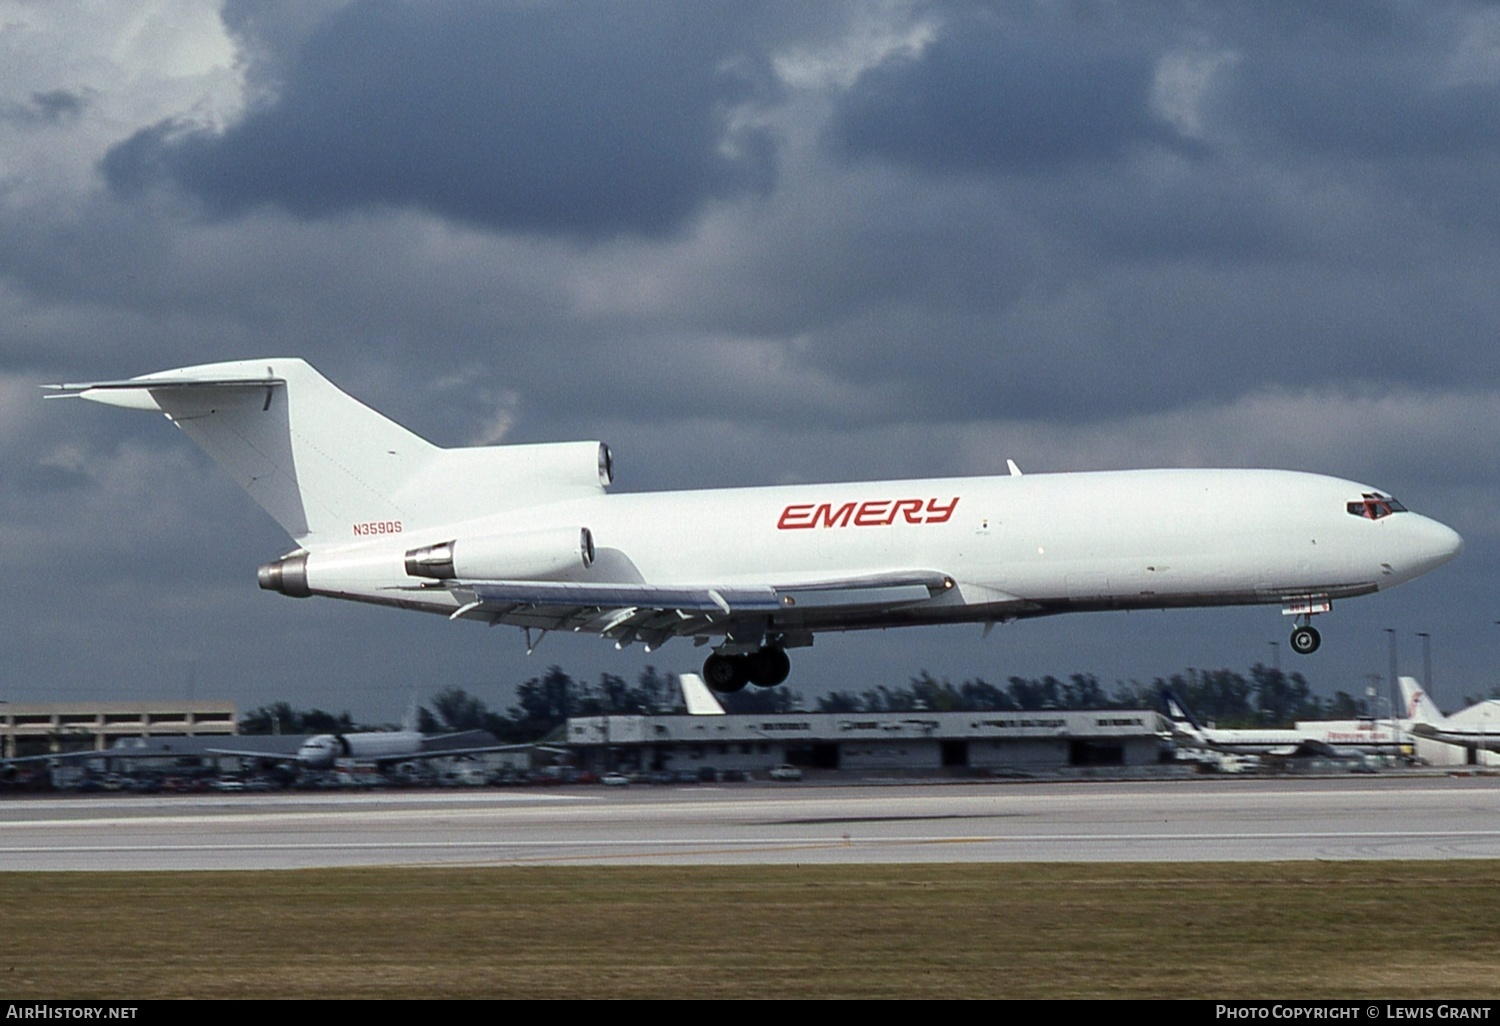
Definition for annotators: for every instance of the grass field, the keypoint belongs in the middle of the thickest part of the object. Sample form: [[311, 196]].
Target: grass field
[[1348, 929]]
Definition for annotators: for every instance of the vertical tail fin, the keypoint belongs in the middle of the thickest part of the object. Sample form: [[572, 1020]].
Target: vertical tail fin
[[332, 471], [315, 458], [1419, 708], [700, 701], [1177, 712], [1184, 723]]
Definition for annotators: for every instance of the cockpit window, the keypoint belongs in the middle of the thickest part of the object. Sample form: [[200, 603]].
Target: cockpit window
[[1373, 506]]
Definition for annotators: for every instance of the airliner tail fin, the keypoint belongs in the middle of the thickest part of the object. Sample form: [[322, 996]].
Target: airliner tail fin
[[332, 471]]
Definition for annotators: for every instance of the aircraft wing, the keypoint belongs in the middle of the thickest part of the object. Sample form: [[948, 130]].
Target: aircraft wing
[[54, 757], [242, 753], [158, 748], [1432, 732], [1281, 751], [1314, 747], [444, 745], [653, 613], [1487, 740]]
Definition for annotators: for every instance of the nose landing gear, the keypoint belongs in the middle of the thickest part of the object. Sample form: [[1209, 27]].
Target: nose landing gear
[[1306, 639]]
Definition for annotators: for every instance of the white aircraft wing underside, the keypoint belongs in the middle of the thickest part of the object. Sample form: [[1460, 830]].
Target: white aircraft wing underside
[[654, 613]]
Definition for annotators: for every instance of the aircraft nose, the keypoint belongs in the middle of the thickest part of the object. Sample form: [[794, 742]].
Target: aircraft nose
[[1432, 544]]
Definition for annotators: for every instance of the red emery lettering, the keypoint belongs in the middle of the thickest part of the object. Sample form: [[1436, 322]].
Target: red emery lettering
[[910, 508], [873, 513], [829, 517], [934, 508], [795, 517], [870, 513]]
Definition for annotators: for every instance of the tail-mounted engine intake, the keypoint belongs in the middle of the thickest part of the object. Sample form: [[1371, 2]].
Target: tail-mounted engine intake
[[504, 557]]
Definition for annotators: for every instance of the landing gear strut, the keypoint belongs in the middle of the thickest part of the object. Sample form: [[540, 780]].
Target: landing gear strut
[[1306, 639], [764, 668]]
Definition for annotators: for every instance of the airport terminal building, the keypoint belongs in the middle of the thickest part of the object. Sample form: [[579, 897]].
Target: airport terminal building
[[42, 727], [993, 742]]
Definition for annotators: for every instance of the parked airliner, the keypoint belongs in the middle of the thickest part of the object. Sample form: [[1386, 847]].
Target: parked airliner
[[1476, 728], [380, 747], [528, 535], [1327, 738]]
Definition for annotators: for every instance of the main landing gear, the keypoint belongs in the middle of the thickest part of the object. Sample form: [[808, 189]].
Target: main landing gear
[[765, 668]]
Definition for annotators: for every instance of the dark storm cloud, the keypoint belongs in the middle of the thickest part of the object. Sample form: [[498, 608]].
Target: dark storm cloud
[[1078, 234], [987, 95], [49, 107], [1391, 85], [577, 119], [1108, 209]]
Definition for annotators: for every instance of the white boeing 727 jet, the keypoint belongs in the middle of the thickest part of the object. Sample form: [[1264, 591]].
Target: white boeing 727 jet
[[527, 535]]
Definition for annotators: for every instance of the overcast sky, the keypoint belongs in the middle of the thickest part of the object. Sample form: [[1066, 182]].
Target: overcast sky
[[744, 243]]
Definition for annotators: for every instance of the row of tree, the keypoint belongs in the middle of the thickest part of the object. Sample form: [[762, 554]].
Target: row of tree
[[1265, 697], [544, 703]]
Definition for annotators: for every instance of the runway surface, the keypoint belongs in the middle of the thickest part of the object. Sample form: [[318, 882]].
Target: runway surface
[[1208, 820]]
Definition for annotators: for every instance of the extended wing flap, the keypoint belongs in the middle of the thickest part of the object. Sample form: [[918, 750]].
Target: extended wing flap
[[559, 595], [623, 611], [729, 600]]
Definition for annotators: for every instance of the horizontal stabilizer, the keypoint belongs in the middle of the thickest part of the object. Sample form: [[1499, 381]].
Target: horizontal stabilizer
[[156, 382]]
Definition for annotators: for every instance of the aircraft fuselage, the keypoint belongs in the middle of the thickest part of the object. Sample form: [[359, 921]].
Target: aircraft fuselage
[[1013, 546]]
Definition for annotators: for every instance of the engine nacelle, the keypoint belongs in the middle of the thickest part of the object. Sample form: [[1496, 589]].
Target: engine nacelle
[[519, 556], [287, 575]]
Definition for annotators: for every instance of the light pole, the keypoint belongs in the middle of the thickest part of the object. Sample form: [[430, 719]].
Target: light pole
[[1426, 661], [1372, 696], [1275, 655], [1395, 696]]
